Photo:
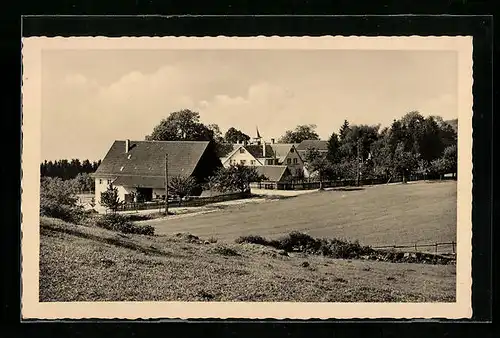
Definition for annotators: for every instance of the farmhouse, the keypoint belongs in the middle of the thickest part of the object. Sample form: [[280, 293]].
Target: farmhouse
[[138, 167], [260, 153]]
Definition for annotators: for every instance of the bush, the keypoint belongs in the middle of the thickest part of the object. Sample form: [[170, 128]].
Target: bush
[[117, 222], [57, 200], [300, 242], [225, 251], [252, 239]]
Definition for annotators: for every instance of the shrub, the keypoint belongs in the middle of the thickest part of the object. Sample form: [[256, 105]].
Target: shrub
[[117, 222], [253, 239], [225, 251], [57, 200], [110, 199], [297, 241], [301, 242]]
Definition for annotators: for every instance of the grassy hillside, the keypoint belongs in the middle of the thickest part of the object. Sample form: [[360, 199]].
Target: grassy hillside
[[378, 215], [79, 263]]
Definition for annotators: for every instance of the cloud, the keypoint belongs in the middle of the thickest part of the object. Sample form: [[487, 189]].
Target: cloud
[[263, 104], [93, 114], [75, 80]]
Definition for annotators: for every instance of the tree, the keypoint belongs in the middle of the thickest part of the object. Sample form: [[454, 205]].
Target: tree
[[451, 156], [182, 186], [381, 157], [110, 198], [299, 134], [185, 125], [317, 162], [235, 178], [234, 135], [404, 162], [334, 148], [353, 136], [344, 129], [83, 182], [447, 163]]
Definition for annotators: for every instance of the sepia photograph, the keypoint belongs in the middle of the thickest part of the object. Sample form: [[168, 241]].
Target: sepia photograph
[[289, 174]]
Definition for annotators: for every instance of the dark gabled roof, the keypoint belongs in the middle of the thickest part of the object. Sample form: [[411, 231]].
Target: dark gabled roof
[[319, 145], [147, 158], [157, 182], [281, 150], [273, 173], [256, 150]]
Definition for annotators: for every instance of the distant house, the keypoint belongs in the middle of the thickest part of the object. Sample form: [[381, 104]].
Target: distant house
[[260, 153], [276, 176], [304, 146], [138, 167], [319, 145]]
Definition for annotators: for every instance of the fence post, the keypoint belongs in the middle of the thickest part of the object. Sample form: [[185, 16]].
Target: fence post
[[453, 246], [415, 247], [436, 248]]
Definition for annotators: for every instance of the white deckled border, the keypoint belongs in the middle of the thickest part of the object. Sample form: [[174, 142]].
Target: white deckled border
[[33, 309]]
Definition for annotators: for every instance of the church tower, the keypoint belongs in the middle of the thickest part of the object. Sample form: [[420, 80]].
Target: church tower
[[257, 139]]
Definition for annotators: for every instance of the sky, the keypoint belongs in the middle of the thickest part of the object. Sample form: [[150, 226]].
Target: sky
[[92, 97]]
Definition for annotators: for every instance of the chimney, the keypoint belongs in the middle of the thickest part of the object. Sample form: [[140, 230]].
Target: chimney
[[272, 141], [127, 146], [263, 149]]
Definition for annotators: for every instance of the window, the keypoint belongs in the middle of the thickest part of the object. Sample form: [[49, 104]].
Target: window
[[242, 150], [243, 162], [288, 161], [100, 181], [252, 162], [295, 161], [109, 181], [270, 161], [292, 150]]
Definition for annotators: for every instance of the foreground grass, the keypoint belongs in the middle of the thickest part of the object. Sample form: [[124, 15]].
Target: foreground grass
[[379, 215], [79, 263]]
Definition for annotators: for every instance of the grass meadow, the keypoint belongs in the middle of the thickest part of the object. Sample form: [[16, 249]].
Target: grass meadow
[[80, 263], [88, 263], [399, 214]]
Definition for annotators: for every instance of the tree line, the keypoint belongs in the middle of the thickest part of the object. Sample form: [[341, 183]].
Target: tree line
[[66, 170], [413, 145]]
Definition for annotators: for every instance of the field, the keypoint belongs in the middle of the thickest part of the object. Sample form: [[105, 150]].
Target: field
[[79, 263], [421, 213]]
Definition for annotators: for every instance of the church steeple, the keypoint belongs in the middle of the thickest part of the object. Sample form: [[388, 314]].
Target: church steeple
[[258, 134], [257, 138]]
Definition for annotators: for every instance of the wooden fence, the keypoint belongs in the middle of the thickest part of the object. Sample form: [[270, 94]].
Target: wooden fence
[[450, 247], [308, 185], [195, 202], [311, 185]]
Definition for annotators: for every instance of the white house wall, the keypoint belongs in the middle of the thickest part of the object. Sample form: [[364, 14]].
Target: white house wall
[[238, 156], [101, 185], [294, 167]]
